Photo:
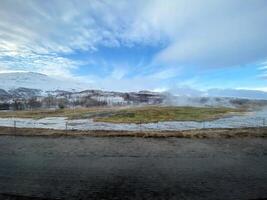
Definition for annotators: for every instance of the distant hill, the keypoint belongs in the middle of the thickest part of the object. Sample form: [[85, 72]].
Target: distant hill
[[23, 86], [10, 81]]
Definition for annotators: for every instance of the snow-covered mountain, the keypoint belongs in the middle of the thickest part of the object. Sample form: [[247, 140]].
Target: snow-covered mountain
[[23, 86], [10, 81]]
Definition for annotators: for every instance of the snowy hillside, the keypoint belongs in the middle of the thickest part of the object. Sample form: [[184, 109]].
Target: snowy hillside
[[43, 82], [23, 86]]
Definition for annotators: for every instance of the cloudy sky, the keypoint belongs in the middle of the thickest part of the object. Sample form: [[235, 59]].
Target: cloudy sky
[[133, 45]]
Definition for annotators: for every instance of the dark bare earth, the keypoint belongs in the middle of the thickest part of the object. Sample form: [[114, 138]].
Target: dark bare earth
[[85, 167]]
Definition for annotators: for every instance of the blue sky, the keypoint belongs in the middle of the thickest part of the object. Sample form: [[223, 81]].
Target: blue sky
[[136, 45]]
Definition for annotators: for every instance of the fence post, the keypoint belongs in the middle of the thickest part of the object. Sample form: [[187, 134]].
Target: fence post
[[66, 126], [263, 121], [15, 124]]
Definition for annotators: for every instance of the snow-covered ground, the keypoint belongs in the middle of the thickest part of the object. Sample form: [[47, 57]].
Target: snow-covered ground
[[253, 119]]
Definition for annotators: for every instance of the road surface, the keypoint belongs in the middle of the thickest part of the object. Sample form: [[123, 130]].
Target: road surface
[[132, 168]]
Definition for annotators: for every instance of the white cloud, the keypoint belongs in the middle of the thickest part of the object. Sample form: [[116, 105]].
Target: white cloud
[[118, 73], [263, 69], [50, 64], [36, 35], [209, 32], [213, 33], [61, 26], [166, 73], [39, 35]]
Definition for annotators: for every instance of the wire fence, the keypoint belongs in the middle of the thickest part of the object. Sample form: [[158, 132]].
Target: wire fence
[[178, 125]]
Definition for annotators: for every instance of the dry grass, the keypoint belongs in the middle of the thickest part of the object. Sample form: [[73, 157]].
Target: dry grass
[[200, 133], [145, 114], [76, 113]]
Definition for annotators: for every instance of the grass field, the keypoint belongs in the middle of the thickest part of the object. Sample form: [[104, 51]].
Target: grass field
[[158, 114], [76, 113], [145, 114]]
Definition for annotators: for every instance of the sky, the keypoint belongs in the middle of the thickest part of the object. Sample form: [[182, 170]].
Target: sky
[[138, 45]]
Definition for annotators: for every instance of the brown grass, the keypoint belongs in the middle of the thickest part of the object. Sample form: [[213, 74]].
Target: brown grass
[[199, 133], [68, 112]]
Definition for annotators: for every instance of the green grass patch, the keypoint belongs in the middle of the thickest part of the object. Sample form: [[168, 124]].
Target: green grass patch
[[158, 114]]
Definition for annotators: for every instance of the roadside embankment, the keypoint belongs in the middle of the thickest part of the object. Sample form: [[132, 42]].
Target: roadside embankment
[[197, 133]]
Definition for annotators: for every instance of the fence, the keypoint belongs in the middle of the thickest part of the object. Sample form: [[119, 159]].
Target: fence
[[178, 125]]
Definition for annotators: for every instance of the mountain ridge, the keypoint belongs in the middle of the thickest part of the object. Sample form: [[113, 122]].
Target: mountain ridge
[[46, 84], [33, 80]]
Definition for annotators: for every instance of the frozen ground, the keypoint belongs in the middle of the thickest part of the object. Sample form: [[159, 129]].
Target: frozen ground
[[252, 119]]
